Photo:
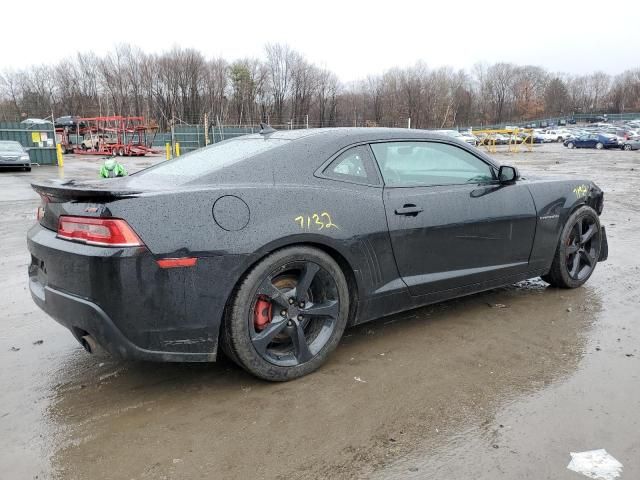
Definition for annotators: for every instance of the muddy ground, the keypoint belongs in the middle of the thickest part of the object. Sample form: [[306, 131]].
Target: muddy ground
[[502, 384]]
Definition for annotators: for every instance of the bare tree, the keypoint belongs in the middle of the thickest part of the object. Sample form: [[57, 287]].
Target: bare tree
[[556, 97], [183, 85], [279, 60]]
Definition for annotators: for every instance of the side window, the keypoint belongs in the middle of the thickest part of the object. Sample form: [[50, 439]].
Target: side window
[[406, 164], [353, 165]]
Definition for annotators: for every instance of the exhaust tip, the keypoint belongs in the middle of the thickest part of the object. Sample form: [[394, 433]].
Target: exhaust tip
[[89, 344]]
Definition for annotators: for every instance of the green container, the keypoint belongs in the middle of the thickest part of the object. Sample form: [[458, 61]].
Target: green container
[[43, 156], [39, 139]]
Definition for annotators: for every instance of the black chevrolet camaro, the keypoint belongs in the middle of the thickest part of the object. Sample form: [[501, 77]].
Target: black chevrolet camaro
[[267, 246]]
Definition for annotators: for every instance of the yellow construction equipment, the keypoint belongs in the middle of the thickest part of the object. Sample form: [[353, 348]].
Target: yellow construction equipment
[[517, 137]]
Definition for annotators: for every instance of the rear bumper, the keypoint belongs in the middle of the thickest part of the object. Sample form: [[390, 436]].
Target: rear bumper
[[129, 305], [83, 317]]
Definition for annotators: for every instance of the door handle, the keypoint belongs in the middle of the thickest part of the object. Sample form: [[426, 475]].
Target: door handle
[[409, 209]]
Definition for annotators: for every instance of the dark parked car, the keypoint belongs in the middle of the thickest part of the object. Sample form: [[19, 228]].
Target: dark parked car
[[72, 123], [592, 141], [269, 245], [13, 154]]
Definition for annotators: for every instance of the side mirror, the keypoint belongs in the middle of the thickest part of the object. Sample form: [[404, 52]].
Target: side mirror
[[507, 174]]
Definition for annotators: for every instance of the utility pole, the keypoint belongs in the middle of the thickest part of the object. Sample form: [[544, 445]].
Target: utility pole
[[206, 130], [409, 122], [306, 120], [173, 131]]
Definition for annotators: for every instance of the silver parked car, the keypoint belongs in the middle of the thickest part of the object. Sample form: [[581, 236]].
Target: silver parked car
[[12, 154], [630, 144]]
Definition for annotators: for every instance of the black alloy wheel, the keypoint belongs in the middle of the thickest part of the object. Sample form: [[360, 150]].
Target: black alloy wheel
[[301, 319], [578, 250], [288, 314], [583, 245]]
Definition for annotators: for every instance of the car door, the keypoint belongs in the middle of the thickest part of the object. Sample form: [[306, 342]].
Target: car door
[[450, 221], [591, 141], [581, 142]]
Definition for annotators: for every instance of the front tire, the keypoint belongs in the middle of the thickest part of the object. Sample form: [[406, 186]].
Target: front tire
[[599, 146], [287, 315], [570, 145], [578, 250], [627, 147]]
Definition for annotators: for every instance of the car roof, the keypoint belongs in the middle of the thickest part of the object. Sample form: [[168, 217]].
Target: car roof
[[355, 133], [300, 154]]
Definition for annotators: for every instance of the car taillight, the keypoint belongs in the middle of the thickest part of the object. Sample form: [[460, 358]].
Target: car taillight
[[107, 232]]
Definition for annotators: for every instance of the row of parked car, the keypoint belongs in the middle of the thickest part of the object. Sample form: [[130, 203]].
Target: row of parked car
[[624, 135], [475, 139]]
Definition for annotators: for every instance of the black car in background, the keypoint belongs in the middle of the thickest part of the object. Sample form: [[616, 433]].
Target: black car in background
[[594, 140], [70, 122], [268, 245]]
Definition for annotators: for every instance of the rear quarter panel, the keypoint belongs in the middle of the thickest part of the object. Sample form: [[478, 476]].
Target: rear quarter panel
[[346, 218]]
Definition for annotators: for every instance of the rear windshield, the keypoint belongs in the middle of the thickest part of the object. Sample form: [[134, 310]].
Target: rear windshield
[[209, 159]]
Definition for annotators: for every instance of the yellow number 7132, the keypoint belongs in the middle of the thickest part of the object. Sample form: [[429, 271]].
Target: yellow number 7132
[[316, 221]]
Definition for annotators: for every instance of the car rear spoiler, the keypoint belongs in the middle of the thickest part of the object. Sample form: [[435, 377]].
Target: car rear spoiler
[[72, 190]]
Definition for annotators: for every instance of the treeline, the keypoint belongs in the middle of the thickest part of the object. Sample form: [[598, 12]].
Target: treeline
[[284, 88]]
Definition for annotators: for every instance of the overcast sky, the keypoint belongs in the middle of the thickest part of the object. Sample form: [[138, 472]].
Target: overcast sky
[[351, 38]]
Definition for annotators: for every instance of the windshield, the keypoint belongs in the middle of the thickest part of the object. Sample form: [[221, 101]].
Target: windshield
[[210, 159], [10, 147]]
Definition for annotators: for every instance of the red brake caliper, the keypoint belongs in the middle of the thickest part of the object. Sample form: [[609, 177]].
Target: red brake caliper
[[262, 313]]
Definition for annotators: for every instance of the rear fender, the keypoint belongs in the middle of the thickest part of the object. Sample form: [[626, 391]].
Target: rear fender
[[347, 254]]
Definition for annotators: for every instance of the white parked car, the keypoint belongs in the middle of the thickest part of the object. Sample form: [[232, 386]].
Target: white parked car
[[465, 137], [470, 138], [546, 137], [555, 135]]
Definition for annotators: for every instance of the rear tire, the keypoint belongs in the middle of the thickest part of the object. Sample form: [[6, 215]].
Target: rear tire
[[599, 146], [570, 145], [578, 250], [303, 327]]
